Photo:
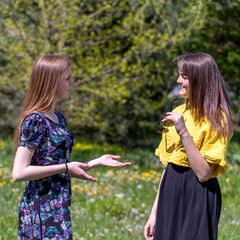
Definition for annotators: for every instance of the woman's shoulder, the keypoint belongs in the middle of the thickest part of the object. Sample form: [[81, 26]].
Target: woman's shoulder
[[33, 130], [34, 123], [34, 117], [61, 118], [60, 115], [180, 109]]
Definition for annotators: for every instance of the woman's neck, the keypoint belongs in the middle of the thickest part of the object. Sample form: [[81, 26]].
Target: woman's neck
[[51, 113]]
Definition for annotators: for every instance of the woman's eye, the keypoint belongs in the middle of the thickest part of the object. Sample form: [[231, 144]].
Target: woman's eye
[[184, 76]]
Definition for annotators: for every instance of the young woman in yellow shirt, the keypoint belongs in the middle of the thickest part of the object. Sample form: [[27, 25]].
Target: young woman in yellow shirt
[[193, 150]]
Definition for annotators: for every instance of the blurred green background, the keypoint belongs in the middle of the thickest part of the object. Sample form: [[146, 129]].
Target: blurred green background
[[122, 55]]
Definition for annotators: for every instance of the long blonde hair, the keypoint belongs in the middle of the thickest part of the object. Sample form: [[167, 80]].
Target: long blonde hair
[[208, 93], [44, 79]]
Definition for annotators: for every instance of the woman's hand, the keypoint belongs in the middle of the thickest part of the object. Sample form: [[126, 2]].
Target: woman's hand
[[149, 228], [177, 120], [75, 169], [108, 160]]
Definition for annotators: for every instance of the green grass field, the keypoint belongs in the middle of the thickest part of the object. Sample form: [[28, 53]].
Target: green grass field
[[117, 206]]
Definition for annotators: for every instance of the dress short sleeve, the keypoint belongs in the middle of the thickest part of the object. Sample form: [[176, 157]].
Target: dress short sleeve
[[33, 130], [214, 150]]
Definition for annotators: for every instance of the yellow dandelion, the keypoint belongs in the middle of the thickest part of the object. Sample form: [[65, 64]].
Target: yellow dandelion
[[2, 183], [145, 174], [74, 187], [153, 172], [227, 180], [77, 145]]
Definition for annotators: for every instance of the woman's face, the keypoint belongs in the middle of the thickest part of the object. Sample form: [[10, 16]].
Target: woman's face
[[64, 85], [184, 85]]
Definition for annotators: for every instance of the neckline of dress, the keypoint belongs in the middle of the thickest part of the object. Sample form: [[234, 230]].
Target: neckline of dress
[[51, 119]]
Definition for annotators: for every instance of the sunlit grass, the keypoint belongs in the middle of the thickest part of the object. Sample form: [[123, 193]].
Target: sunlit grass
[[117, 206]]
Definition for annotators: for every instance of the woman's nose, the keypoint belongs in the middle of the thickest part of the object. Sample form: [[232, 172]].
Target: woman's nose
[[179, 79]]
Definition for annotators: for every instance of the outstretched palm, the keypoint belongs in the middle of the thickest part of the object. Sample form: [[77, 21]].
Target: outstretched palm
[[109, 160]]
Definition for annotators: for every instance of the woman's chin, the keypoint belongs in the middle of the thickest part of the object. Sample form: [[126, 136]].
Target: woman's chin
[[183, 94], [66, 96]]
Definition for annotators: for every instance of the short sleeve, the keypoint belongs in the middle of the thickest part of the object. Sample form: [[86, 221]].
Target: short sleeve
[[214, 150], [33, 130]]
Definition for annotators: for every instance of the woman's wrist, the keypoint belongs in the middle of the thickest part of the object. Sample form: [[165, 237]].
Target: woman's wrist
[[185, 135], [182, 132], [66, 166], [94, 163]]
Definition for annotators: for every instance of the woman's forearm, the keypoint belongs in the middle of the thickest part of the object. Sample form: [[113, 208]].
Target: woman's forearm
[[37, 172], [92, 163], [23, 171], [200, 166], [151, 223]]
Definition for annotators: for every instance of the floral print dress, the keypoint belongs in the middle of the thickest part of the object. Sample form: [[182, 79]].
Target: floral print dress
[[44, 211]]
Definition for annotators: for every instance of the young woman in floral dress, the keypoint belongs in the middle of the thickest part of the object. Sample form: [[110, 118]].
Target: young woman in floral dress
[[43, 148]]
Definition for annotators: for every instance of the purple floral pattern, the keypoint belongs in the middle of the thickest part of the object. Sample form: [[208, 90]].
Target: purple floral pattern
[[44, 211]]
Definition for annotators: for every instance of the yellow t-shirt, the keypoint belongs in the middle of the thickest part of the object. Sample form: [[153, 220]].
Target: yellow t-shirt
[[213, 149]]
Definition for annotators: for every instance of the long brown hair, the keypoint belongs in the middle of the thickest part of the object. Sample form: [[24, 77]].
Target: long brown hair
[[208, 95], [44, 79]]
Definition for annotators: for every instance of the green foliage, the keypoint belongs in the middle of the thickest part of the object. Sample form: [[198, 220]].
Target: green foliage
[[120, 50], [121, 53], [233, 154], [219, 37]]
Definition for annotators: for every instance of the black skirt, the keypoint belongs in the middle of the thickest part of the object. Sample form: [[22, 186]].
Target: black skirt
[[187, 209]]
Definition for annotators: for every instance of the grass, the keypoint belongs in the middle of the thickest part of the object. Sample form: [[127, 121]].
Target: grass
[[117, 206]]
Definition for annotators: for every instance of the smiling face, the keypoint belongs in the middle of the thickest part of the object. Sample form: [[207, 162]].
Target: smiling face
[[64, 85], [184, 85]]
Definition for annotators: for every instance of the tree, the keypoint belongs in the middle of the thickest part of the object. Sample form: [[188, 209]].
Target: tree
[[219, 37], [121, 54]]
